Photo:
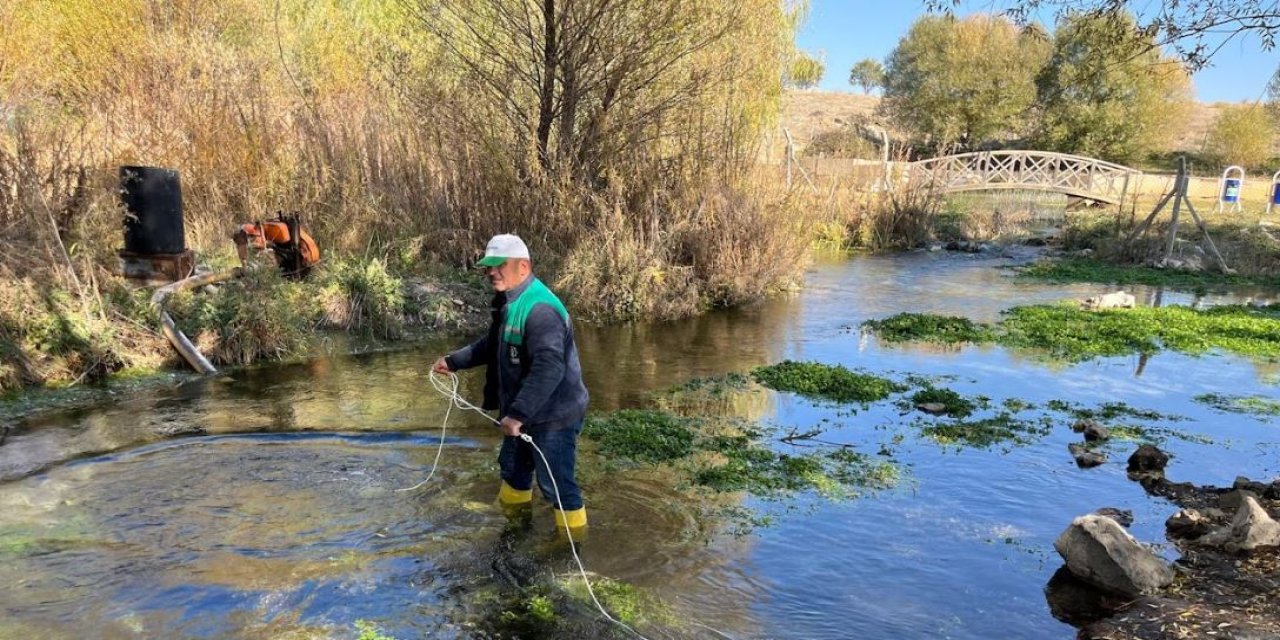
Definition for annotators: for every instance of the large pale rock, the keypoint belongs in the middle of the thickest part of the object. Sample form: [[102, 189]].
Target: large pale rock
[[1114, 300], [1099, 551], [1251, 528]]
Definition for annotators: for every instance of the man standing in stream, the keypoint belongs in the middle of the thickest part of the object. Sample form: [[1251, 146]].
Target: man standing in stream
[[534, 380]]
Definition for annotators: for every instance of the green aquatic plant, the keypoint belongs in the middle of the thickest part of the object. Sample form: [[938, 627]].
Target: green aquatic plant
[[641, 435], [370, 631], [1003, 428], [724, 455], [1070, 333], [1109, 411], [825, 382], [626, 602], [954, 404], [541, 609], [1017, 405], [716, 385], [1087, 270], [1252, 405], [927, 327]]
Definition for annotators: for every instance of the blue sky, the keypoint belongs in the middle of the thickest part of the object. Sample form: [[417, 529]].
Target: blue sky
[[846, 31]]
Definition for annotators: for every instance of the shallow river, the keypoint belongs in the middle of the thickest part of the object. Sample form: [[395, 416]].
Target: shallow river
[[263, 503]]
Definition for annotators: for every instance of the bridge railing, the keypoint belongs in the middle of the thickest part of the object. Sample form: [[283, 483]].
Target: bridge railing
[[1078, 176]]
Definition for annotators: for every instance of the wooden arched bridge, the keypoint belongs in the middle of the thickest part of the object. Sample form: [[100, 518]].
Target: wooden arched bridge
[[1075, 176]]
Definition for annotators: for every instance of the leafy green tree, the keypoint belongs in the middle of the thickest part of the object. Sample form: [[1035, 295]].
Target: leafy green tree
[[1182, 25], [1107, 92], [1241, 134], [806, 71], [868, 73], [963, 82]]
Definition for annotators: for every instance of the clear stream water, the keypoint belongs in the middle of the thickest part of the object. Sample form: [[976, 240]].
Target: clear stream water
[[262, 503]]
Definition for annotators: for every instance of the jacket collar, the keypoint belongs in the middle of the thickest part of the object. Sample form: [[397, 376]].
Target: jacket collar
[[509, 296]]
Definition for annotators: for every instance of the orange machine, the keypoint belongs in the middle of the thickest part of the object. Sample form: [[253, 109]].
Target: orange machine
[[295, 250]]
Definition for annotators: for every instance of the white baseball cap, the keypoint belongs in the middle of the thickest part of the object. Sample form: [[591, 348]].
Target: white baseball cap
[[502, 248]]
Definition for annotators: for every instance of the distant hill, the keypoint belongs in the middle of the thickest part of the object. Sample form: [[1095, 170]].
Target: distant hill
[[808, 113]]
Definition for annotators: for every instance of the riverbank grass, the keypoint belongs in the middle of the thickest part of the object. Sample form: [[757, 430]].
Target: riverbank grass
[[1066, 270]]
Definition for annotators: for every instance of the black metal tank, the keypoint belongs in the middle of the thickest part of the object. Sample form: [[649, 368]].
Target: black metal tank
[[154, 198]]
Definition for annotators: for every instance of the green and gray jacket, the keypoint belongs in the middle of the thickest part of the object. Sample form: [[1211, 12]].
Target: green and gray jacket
[[533, 371]]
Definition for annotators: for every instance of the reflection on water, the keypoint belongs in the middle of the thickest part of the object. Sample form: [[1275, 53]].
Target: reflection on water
[[262, 503]]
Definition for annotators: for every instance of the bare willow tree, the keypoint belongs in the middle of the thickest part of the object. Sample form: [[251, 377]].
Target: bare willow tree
[[581, 84]]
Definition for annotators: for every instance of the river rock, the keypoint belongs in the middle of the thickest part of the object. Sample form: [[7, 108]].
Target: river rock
[[1187, 524], [1114, 300], [1086, 458], [1096, 433], [1233, 500], [1148, 460], [1122, 516], [1099, 551], [932, 408], [1084, 423], [1269, 491], [1251, 528]]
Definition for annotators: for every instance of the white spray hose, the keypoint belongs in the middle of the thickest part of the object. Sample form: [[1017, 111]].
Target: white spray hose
[[450, 390]]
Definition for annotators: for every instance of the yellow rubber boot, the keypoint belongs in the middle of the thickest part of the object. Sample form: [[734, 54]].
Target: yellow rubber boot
[[516, 505], [572, 524]]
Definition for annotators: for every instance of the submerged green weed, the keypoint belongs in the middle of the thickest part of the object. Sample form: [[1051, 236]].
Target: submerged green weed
[[626, 602], [644, 436], [1253, 405], [825, 382], [1003, 428], [370, 631], [927, 327], [1109, 411], [955, 405], [1067, 332], [726, 456]]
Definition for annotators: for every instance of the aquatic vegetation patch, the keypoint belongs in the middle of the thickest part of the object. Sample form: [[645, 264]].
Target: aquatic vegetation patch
[[1110, 411], [928, 327], [732, 393], [628, 603], [835, 473], [954, 404], [1252, 405], [1153, 435], [1002, 428], [1068, 332], [644, 436], [725, 455], [1088, 270], [825, 382], [370, 631], [715, 386]]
